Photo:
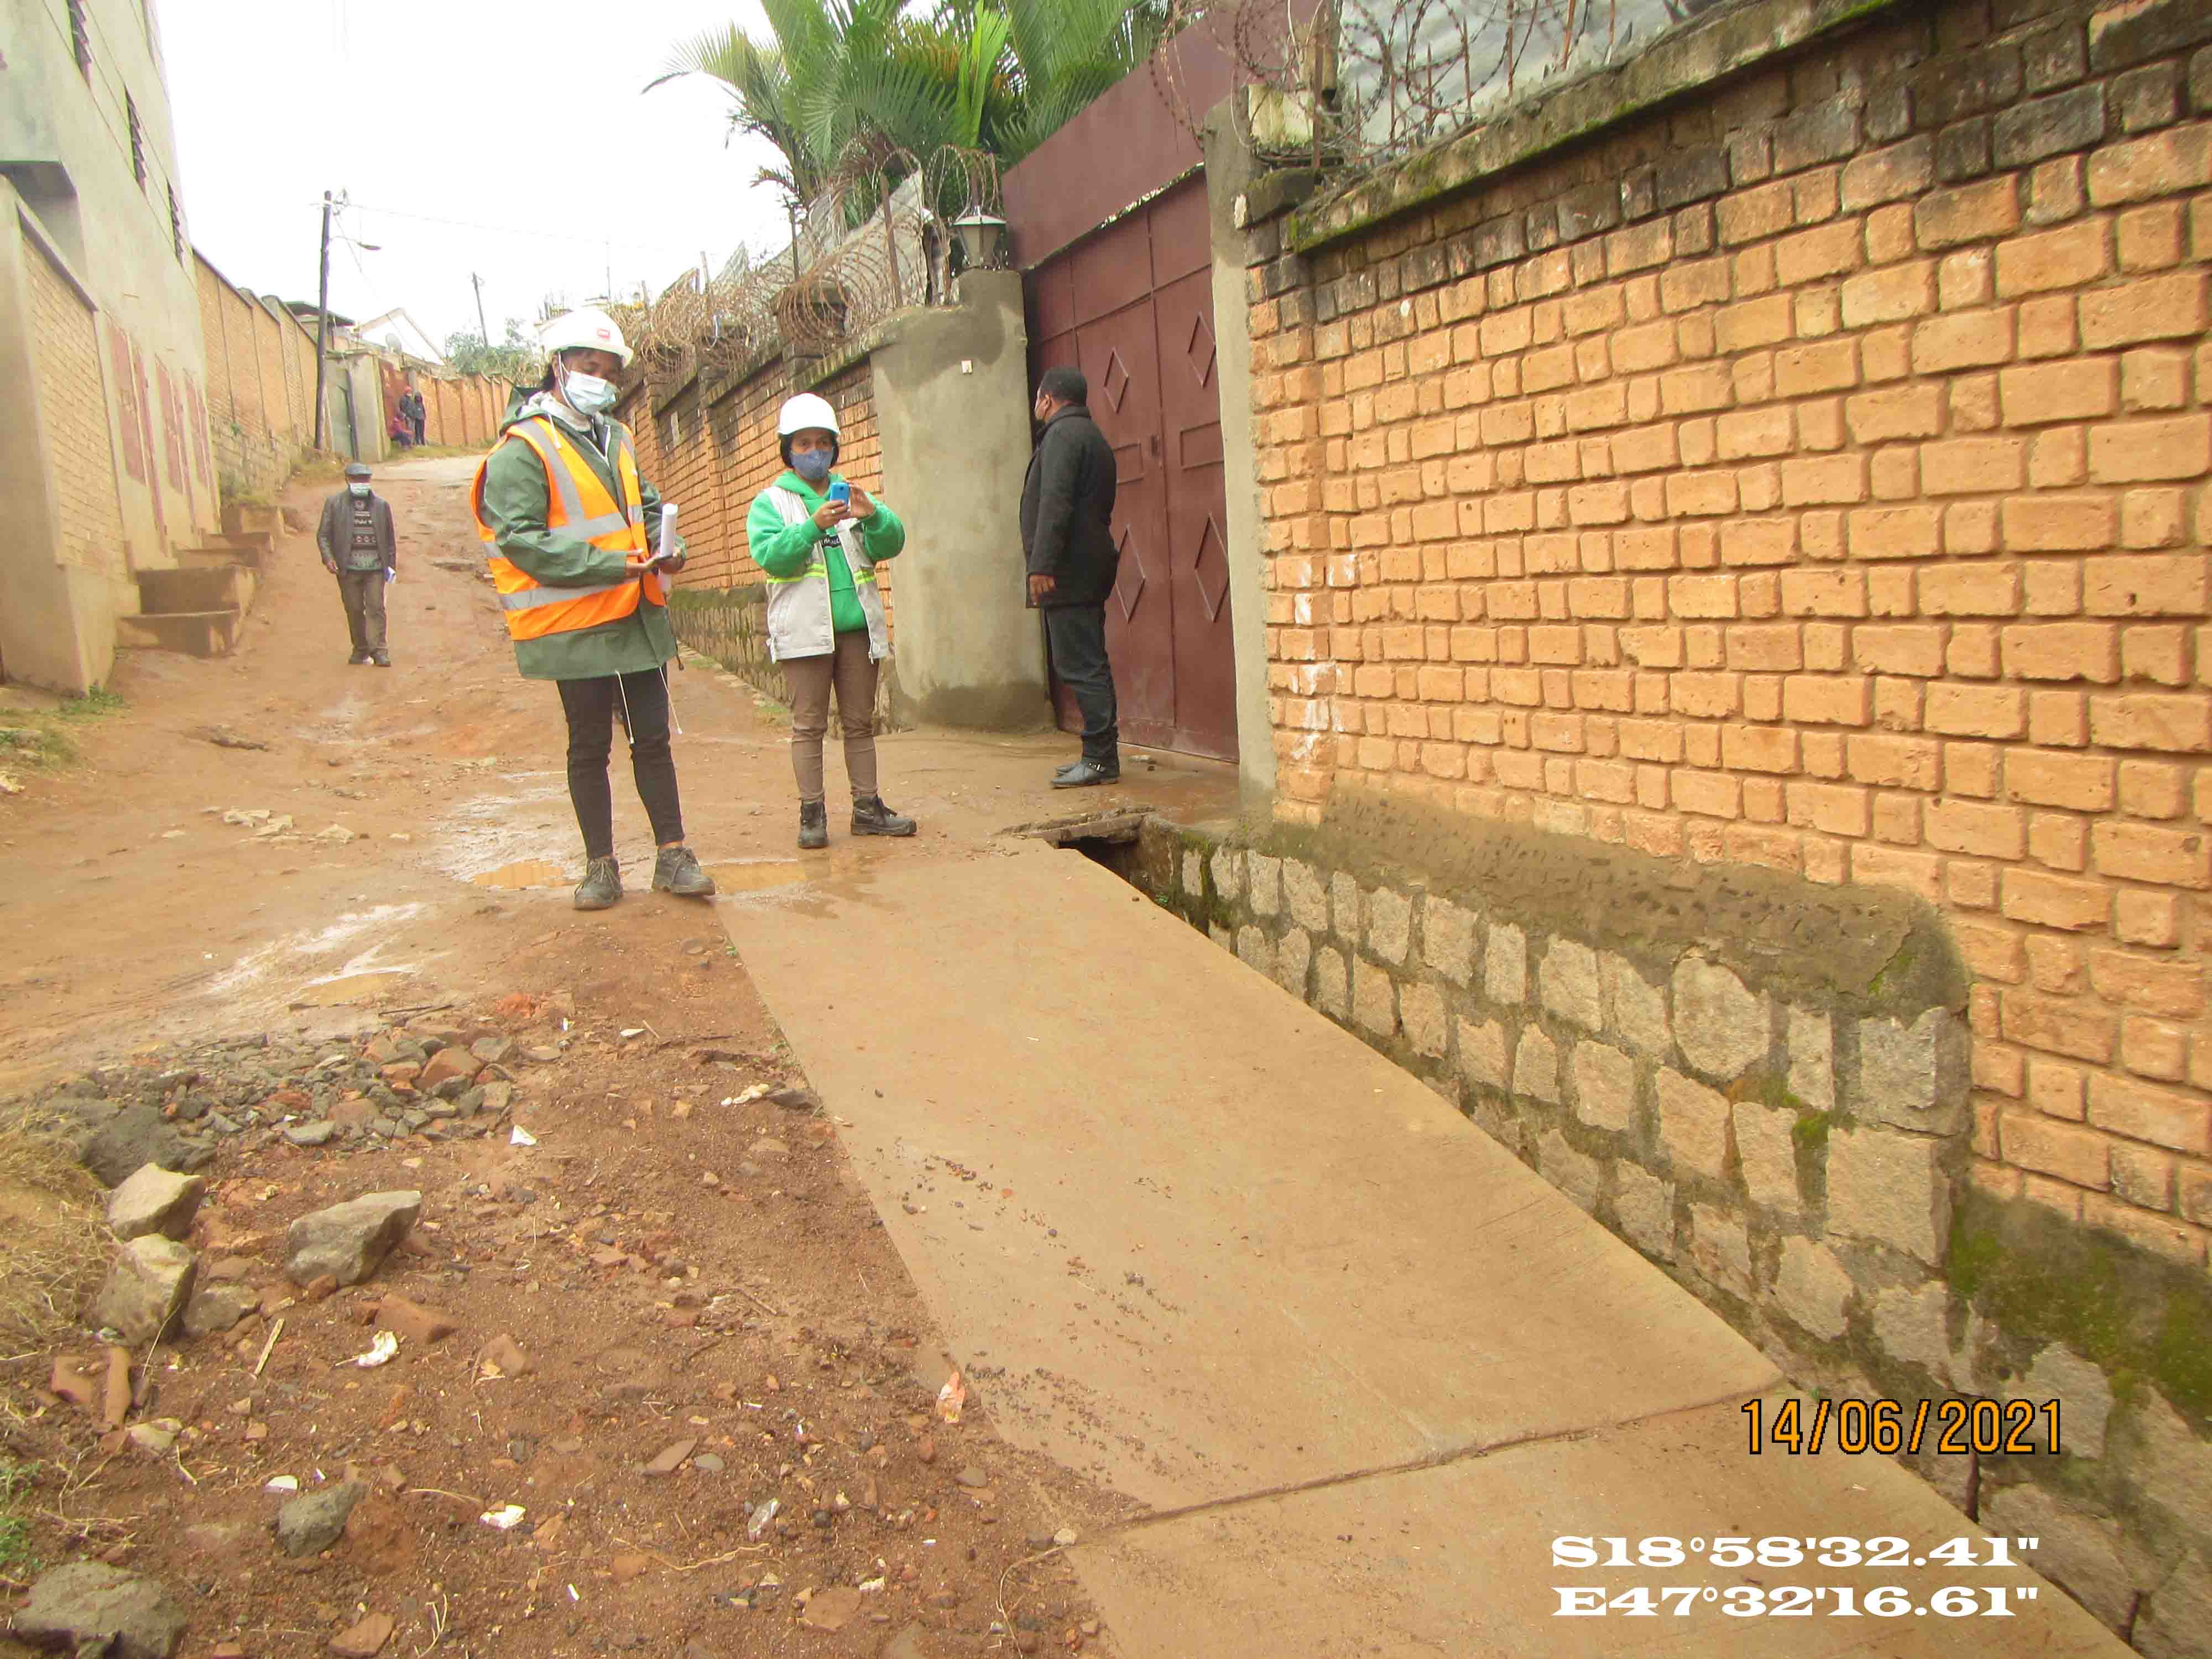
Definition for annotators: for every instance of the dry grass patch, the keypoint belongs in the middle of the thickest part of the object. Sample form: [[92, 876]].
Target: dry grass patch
[[54, 1242]]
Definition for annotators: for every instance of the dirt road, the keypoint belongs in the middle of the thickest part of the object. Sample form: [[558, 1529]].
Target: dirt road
[[676, 1267]]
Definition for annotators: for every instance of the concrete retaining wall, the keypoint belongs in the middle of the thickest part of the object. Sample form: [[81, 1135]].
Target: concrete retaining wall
[[1775, 1112]]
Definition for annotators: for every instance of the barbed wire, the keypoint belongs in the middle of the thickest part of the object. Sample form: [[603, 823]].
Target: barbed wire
[[1366, 83], [875, 242]]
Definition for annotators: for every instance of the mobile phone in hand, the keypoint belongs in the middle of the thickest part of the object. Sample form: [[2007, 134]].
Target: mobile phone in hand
[[840, 492]]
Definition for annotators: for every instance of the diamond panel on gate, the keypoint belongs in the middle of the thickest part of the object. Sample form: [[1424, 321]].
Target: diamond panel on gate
[[1209, 568], [1200, 350], [1129, 594], [1115, 382]]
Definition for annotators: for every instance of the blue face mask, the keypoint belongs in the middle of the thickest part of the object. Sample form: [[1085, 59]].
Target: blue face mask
[[811, 464]]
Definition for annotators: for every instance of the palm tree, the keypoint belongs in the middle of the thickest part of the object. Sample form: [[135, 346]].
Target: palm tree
[[1000, 76]]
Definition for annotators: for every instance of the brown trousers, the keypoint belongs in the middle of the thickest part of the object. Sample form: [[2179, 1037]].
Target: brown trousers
[[809, 681], [363, 593]]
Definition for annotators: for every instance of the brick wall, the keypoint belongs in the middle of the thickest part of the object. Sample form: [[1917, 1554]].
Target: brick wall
[[1813, 476], [725, 452], [710, 446], [261, 390], [73, 404]]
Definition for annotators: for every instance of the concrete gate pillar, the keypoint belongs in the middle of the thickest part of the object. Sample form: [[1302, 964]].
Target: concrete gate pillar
[[952, 412]]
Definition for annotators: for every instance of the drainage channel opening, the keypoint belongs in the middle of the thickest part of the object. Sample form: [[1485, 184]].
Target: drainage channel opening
[[1105, 838]]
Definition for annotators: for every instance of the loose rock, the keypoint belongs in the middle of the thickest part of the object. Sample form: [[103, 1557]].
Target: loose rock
[[311, 1523], [135, 1137], [349, 1240], [318, 1133], [364, 1640], [154, 1199], [416, 1323], [215, 1309], [146, 1290], [92, 1608]]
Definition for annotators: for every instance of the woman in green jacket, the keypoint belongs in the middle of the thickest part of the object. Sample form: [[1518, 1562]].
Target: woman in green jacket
[[819, 539]]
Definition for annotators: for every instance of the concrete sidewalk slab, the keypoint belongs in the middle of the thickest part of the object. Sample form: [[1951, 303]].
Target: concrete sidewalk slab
[[1457, 1560], [1187, 1235]]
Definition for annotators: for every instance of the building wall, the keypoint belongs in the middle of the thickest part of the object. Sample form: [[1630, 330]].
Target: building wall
[[1814, 479], [1797, 491], [73, 403], [260, 389], [710, 446], [66, 134]]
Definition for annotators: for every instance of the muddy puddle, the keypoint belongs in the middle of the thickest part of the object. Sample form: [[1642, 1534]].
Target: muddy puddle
[[743, 876], [525, 872], [349, 988]]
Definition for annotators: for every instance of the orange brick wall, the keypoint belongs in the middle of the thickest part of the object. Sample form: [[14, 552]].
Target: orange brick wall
[[722, 459], [1813, 477], [73, 405], [261, 386]]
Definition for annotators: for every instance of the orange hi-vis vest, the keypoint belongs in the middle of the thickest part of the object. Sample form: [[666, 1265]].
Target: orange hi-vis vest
[[576, 504]]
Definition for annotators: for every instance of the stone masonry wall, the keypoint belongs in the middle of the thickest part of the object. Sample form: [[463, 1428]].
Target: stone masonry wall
[[1796, 1158], [1812, 474]]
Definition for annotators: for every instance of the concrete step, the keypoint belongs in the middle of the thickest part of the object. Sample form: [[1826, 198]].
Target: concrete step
[[196, 633], [196, 588], [255, 550], [237, 520]]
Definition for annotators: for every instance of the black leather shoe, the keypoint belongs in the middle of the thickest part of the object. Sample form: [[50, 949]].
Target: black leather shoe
[[813, 825], [1086, 772], [871, 817]]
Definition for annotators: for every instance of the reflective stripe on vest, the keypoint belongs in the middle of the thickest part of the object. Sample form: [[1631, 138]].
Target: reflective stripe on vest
[[799, 607], [576, 504]]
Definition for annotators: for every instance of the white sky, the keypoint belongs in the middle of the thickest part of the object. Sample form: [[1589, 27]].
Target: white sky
[[513, 117]]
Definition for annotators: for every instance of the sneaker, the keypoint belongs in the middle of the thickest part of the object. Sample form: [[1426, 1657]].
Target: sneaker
[[676, 870], [813, 825], [359, 659], [1086, 772], [871, 817], [381, 659], [601, 887]]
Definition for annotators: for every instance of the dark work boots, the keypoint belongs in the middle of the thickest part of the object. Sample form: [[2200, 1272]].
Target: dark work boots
[[677, 870], [871, 817], [813, 826], [601, 887]]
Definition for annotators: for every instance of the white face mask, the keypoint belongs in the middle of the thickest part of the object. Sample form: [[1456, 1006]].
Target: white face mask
[[359, 489], [587, 394]]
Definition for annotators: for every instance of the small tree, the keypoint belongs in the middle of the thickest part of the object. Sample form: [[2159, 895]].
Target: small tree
[[511, 359]]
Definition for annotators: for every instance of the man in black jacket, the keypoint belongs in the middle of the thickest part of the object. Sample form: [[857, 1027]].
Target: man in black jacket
[[361, 549], [1067, 502]]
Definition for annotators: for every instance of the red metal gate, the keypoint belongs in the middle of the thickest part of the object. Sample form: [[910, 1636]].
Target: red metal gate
[[1132, 306]]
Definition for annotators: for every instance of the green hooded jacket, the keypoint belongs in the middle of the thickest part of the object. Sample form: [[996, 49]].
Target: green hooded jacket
[[514, 497], [781, 549]]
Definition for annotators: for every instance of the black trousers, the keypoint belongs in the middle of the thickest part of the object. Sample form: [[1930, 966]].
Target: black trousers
[[1078, 636], [591, 705]]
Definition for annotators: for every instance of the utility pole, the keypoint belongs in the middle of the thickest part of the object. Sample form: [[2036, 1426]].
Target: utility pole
[[323, 321], [482, 324]]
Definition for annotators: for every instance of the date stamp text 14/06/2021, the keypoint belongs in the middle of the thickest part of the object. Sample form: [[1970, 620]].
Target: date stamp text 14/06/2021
[[1950, 1428], [1753, 1600]]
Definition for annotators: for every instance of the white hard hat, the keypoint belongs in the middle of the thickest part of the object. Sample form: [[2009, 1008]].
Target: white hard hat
[[588, 329], [804, 412]]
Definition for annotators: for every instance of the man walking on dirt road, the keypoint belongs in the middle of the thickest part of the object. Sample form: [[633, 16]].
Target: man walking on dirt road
[[360, 550]]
